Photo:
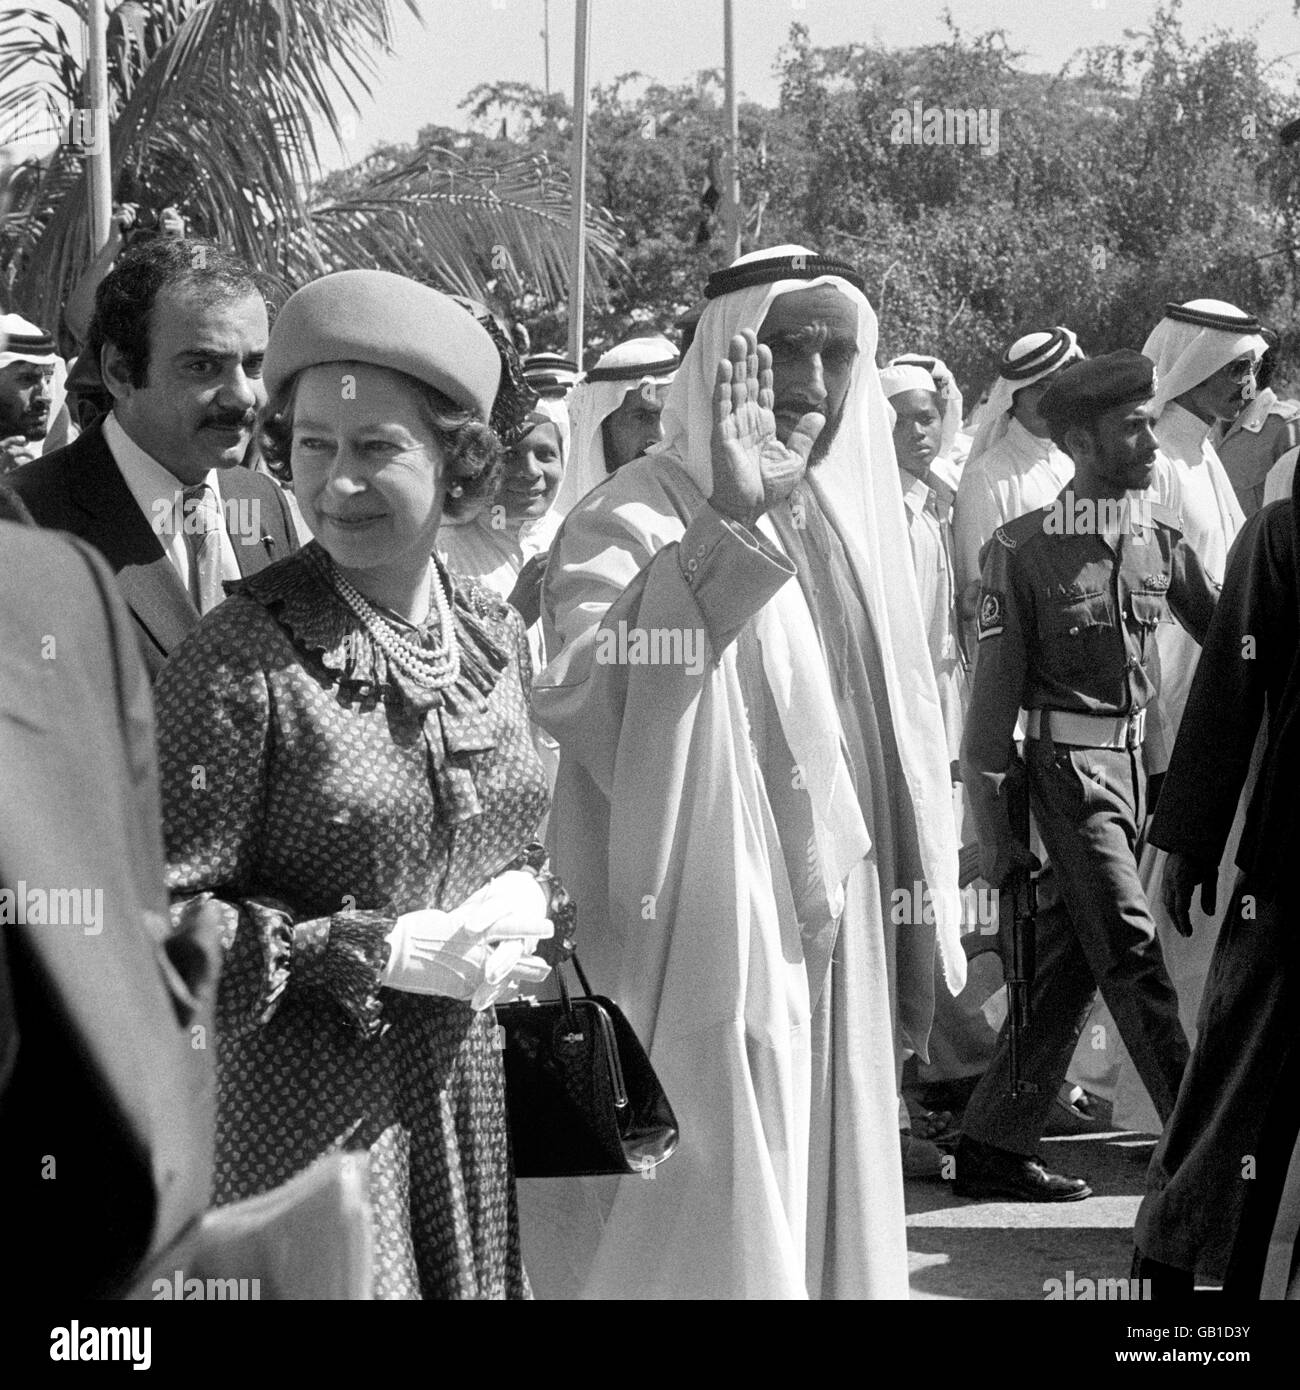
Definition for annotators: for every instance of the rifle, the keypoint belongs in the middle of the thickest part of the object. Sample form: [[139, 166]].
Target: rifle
[[1016, 933]]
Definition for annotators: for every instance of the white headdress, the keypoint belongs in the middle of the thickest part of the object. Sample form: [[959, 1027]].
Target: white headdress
[[858, 484], [944, 383], [905, 376], [26, 342], [1027, 360], [631, 366], [1194, 340]]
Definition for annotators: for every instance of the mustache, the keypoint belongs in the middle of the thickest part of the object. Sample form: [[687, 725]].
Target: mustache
[[231, 420]]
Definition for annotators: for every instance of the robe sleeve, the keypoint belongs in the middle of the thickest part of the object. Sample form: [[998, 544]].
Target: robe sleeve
[[215, 734], [719, 575], [1193, 595], [975, 517], [1250, 639]]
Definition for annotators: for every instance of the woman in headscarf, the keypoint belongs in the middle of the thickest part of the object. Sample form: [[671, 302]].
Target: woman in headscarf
[[350, 792]]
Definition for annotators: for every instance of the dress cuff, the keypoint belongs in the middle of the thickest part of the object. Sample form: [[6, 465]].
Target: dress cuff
[[265, 951], [731, 571], [345, 956]]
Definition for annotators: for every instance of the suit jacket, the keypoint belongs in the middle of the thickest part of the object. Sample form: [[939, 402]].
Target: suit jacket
[[81, 489], [105, 1089]]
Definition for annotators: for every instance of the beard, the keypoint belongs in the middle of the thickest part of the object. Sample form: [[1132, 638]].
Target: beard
[[830, 430]]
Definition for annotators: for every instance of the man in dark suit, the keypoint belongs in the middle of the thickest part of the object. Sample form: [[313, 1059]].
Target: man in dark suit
[[179, 332], [105, 1081]]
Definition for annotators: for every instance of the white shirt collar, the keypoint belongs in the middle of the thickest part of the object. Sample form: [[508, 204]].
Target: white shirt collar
[[916, 492], [159, 495]]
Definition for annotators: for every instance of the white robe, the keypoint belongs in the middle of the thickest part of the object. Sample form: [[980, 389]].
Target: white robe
[[778, 1061], [1017, 474]]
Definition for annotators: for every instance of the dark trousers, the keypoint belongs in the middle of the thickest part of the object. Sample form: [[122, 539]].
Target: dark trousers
[[1216, 1150], [1089, 804]]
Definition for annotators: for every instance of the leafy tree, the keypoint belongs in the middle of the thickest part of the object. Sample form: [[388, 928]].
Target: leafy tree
[[213, 105]]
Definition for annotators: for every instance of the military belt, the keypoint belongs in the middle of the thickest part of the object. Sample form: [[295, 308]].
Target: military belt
[[1087, 730]]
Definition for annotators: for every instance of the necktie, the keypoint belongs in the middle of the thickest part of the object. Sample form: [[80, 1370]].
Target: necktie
[[203, 541]]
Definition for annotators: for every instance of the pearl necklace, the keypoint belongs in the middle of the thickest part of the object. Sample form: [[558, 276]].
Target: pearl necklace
[[437, 669]]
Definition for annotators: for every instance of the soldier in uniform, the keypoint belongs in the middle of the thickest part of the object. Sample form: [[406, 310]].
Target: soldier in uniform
[[1070, 599]]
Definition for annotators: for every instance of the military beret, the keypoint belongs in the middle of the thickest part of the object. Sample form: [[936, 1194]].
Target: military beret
[[1084, 390], [385, 320]]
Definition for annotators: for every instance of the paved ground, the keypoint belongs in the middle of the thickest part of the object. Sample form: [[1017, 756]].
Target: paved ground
[[975, 1250]]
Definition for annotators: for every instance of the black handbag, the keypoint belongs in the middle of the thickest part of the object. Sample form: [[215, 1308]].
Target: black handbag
[[581, 1095]]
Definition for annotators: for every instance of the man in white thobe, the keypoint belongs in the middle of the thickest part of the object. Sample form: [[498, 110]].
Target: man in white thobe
[[1013, 465], [615, 414], [757, 823]]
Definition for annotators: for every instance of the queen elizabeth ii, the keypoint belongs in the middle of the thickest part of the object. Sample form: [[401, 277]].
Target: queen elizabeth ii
[[350, 790]]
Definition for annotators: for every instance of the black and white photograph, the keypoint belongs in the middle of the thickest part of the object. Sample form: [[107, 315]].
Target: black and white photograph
[[649, 653]]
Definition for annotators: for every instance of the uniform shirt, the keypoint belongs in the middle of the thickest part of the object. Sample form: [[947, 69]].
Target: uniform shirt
[[1068, 622], [1265, 430]]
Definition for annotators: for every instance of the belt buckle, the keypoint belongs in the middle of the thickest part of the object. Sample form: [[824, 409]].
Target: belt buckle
[[1136, 730]]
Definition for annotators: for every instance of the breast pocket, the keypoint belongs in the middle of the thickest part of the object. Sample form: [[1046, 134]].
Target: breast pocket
[[1146, 610], [1077, 617]]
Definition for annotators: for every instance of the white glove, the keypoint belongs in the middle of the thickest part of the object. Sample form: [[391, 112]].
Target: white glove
[[482, 951]]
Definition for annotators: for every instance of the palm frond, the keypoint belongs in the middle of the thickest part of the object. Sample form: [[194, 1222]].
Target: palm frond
[[214, 107], [219, 120], [479, 231]]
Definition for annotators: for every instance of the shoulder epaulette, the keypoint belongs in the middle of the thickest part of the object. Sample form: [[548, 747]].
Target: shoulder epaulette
[[1021, 529]]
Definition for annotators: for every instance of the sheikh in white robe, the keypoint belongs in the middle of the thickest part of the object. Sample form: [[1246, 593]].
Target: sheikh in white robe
[[765, 1011]]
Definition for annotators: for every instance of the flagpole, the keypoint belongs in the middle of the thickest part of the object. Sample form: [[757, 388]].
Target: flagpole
[[731, 202], [99, 176], [578, 182]]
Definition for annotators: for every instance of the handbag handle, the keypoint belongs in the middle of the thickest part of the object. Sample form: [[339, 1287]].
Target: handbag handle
[[564, 988]]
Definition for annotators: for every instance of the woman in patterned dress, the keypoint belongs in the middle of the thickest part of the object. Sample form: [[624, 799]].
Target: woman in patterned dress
[[351, 794]]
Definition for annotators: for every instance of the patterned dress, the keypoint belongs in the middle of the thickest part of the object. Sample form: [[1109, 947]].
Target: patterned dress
[[312, 793]]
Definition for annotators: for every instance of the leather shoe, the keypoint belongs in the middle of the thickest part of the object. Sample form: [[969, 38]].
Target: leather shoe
[[986, 1171]]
